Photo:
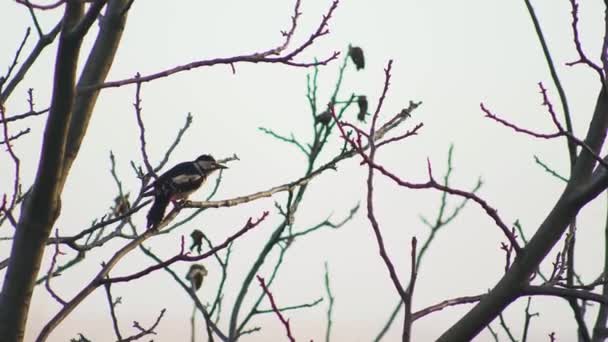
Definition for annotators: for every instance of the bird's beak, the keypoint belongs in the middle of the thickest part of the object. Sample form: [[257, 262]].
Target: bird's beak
[[220, 166]]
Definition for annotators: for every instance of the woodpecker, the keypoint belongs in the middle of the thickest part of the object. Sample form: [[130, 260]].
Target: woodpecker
[[178, 183]]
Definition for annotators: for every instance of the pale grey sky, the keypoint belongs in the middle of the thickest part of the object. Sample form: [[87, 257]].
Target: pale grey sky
[[450, 55]]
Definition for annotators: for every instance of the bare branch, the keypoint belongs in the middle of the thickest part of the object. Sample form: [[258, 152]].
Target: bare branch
[[186, 257], [257, 57], [24, 115], [446, 303], [28, 4], [43, 42], [112, 304], [16, 59], [330, 306], [143, 331], [582, 57], [276, 310], [47, 283]]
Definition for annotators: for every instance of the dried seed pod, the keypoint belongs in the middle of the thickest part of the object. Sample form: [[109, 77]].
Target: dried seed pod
[[356, 54], [197, 240], [196, 274], [362, 103]]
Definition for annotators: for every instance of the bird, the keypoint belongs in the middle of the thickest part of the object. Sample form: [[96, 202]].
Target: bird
[[178, 183], [362, 103], [356, 54], [195, 275]]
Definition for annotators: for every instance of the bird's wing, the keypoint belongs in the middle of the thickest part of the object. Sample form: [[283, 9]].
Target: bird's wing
[[179, 169]]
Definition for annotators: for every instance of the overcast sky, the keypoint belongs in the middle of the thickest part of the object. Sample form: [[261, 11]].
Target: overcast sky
[[451, 55]]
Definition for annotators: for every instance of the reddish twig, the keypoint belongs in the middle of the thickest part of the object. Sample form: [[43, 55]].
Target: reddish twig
[[508, 248], [370, 189], [549, 105], [101, 277], [387, 82], [28, 4], [15, 159], [407, 134], [516, 128], [276, 309], [184, 256], [560, 130], [321, 31], [432, 183], [47, 283], [257, 57], [582, 57]]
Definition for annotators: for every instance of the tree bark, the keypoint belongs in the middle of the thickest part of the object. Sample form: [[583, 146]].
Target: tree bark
[[66, 125], [584, 185]]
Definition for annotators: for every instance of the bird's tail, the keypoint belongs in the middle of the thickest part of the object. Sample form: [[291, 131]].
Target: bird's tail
[[157, 211]]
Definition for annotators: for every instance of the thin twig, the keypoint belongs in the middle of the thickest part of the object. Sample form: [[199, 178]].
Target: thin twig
[[257, 57], [330, 307], [276, 310], [47, 283], [112, 305]]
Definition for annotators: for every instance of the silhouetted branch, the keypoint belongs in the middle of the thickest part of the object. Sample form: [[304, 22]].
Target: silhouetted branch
[[184, 256], [330, 307], [257, 57], [143, 331], [556, 80], [47, 283], [29, 4], [112, 304], [550, 170], [444, 304], [582, 57], [276, 310], [16, 59]]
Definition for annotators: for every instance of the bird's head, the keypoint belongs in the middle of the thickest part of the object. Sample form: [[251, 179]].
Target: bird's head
[[208, 164]]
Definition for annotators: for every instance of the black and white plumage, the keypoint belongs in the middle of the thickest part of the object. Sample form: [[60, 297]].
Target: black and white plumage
[[178, 183]]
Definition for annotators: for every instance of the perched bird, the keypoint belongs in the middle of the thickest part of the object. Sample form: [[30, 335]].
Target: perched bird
[[178, 183], [195, 275], [362, 103], [356, 54], [197, 240]]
